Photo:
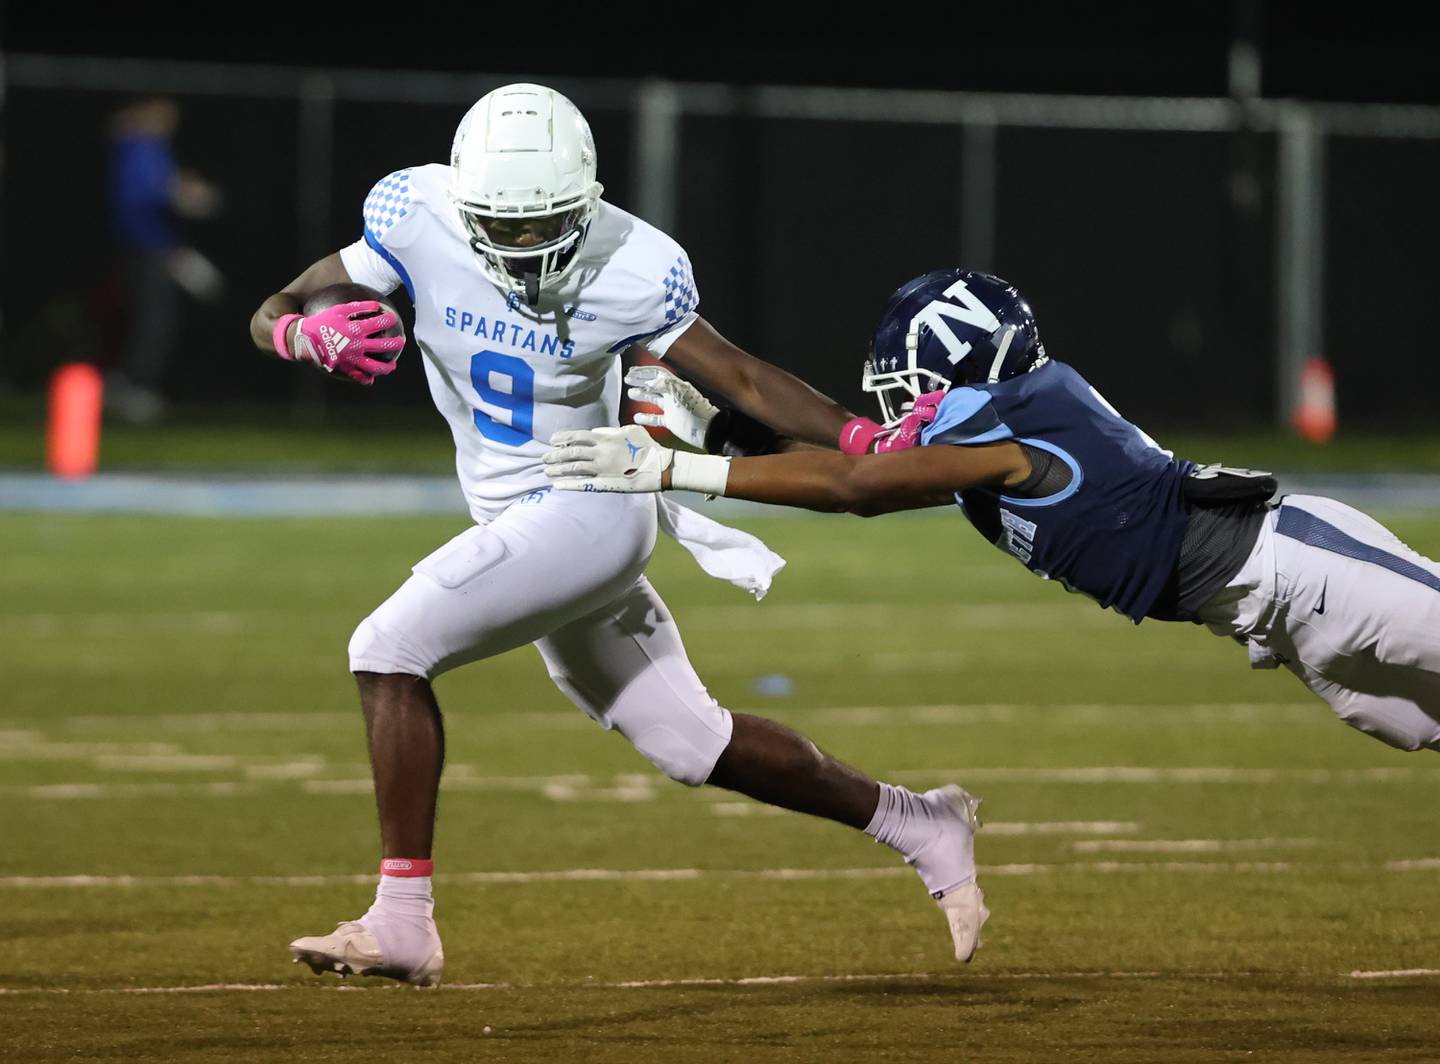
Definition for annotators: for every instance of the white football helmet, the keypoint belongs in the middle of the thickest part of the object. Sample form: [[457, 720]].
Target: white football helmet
[[523, 179]]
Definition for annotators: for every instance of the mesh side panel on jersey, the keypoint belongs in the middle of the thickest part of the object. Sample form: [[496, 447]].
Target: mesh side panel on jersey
[[1217, 541], [1049, 475], [1295, 523]]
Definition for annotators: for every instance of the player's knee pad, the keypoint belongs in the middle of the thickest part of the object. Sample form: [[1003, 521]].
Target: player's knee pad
[[678, 755], [684, 742], [658, 704], [375, 648]]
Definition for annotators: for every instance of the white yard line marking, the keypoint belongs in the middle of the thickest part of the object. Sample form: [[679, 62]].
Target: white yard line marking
[[166, 762], [37, 748], [205, 723], [668, 875], [948, 976], [624, 788], [1184, 845], [991, 827], [1061, 827], [640, 787], [628, 787], [1144, 774], [101, 623], [782, 980], [461, 778], [863, 715], [1071, 712], [360, 786], [299, 768], [200, 989], [738, 809], [69, 791], [1403, 973], [250, 722], [841, 615]]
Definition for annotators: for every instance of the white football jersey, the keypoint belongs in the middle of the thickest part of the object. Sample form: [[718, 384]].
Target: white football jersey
[[505, 375]]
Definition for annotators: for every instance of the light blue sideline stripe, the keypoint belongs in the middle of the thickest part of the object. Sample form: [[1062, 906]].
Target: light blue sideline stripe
[[221, 495], [258, 494], [231, 496]]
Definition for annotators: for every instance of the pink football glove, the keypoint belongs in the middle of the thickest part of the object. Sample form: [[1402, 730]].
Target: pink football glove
[[860, 436], [907, 433], [342, 339]]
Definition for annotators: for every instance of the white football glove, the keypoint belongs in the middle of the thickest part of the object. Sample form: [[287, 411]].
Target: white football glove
[[624, 459], [683, 410]]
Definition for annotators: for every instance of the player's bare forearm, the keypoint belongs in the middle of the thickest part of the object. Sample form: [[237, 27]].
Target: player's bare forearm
[[765, 392], [329, 270], [869, 485]]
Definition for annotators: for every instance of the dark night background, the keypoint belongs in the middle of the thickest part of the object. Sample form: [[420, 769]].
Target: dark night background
[[1149, 256], [1382, 51]]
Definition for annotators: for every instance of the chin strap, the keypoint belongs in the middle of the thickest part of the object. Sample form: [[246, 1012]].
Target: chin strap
[[532, 289]]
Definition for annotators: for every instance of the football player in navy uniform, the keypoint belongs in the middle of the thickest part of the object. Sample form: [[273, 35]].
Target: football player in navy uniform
[[977, 414]]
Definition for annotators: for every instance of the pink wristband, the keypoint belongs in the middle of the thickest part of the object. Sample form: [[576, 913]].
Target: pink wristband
[[278, 338], [406, 866]]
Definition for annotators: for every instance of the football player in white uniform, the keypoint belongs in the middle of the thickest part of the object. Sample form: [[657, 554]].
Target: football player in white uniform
[[527, 288]]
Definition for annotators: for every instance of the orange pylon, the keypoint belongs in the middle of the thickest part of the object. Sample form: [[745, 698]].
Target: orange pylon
[[73, 437], [1315, 411]]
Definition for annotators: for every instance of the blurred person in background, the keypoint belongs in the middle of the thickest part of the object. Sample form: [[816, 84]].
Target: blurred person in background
[[148, 192]]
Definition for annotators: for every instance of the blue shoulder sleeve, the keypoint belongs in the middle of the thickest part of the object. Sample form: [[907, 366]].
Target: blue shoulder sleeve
[[966, 415], [387, 203], [670, 303]]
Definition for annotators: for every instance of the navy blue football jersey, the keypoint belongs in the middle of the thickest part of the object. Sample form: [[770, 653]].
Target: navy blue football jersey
[[1114, 531]]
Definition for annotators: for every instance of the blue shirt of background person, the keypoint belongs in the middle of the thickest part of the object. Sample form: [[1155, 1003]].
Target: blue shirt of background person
[[143, 174]]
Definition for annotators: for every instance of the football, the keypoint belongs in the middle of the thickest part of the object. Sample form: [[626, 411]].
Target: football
[[348, 292]]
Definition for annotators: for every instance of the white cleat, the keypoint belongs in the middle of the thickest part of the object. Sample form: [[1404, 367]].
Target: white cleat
[[963, 906], [352, 950], [965, 912]]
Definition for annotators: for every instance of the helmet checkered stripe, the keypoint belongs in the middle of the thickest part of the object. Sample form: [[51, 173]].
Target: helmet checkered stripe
[[680, 298], [388, 202]]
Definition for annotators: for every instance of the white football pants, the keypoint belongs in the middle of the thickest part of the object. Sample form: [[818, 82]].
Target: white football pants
[[562, 570], [1337, 599]]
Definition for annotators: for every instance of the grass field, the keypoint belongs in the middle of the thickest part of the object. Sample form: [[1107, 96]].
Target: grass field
[[1186, 861]]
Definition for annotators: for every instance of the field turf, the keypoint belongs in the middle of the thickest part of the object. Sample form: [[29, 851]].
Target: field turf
[[1186, 861]]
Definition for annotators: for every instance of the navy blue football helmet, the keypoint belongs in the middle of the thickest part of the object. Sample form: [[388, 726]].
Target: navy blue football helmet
[[949, 327]]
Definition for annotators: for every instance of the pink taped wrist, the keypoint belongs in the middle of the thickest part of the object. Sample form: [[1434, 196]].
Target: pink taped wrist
[[279, 337]]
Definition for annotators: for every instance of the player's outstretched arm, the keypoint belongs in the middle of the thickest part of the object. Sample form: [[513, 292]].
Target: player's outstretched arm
[[627, 460], [766, 393], [874, 484]]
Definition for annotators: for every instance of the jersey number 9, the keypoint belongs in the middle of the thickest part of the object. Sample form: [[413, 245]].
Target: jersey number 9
[[506, 383]]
